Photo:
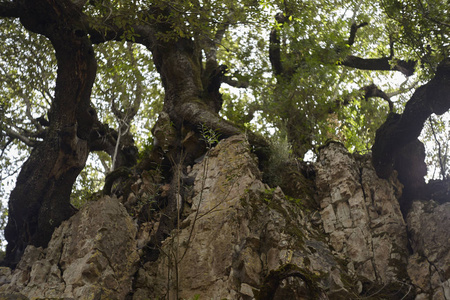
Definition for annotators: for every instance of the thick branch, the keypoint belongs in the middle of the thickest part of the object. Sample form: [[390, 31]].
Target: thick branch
[[376, 64], [9, 9], [275, 46], [400, 130], [379, 64], [373, 91], [353, 30], [143, 34], [196, 113], [144, 30], [275, 53]]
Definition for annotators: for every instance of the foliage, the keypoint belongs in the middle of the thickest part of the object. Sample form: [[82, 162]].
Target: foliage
[[209, 136], [302, 103], [318, 99], [280, 153]]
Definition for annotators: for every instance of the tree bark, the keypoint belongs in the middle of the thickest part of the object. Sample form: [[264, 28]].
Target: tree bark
[[379, 64], [400, 130], [396, 145], [192, 99], [41, 199]]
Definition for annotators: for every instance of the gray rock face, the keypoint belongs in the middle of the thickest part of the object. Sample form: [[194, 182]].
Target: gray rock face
[[361, 214], [237, 231], [92, 254], [241, 239], [429, 266]]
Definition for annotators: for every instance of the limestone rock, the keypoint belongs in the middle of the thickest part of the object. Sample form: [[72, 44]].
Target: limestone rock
[[238, 238], [90, 256], [429, 266], [362, 214], [238, 230]]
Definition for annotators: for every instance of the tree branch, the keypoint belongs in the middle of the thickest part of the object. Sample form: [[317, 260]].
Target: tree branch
[[132, 111], [275, 53], [104, 138], [275, 47], [196, 114], [353, 30], [402, 89], [235, 83], [400, 130], [370, 64], [16, 135], [376, 64], [379, 64], [108, 31], [144, 30], [35, 122], [374, 91]]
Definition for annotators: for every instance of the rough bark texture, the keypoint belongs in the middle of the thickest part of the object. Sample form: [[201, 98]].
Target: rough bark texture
[[396, 144], [400, 130], [240, 239], [40, 200]]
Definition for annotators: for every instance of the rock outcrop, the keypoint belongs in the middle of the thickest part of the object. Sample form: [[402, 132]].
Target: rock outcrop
[[362, 216], [429, 265], [238, 238], [91, 256]]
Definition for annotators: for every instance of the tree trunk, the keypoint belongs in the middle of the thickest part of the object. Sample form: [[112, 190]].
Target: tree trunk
[[192, 99], [396, 143], [41, 199]]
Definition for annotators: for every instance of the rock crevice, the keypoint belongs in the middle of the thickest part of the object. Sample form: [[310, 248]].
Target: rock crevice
[[242, 239]]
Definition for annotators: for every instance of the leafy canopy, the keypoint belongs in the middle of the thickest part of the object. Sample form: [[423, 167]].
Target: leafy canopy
[[316, 98]]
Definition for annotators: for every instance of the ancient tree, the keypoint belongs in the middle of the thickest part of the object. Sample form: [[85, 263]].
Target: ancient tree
[[309, 71]]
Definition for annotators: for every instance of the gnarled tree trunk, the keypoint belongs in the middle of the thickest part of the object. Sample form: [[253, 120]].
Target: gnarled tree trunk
[[396, 144], [41, 199]]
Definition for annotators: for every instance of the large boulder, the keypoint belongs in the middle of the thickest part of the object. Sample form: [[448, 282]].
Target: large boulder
[[243, 238], [91, 255]]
